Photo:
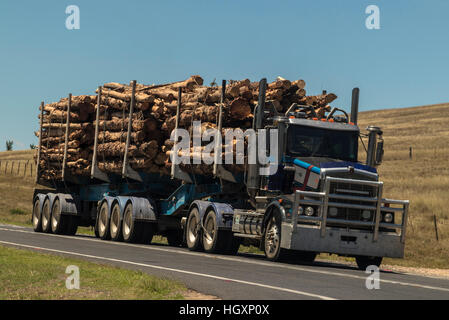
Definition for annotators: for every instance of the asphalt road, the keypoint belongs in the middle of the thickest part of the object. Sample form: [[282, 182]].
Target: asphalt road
[[247, 277]]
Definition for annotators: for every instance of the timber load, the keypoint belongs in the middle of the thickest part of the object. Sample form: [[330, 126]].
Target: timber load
[[67, 135]]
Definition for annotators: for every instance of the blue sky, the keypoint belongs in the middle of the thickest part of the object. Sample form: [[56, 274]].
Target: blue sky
[[326, 43]]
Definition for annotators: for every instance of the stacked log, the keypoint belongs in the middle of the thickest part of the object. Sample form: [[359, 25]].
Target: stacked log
[[153, 121]]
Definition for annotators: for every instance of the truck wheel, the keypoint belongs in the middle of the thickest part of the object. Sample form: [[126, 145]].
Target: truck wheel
[[46, 216], [115, 224], [131, 230], [212, 237], [364, 262], [36, 216], [58, 221], [103, 221], [193, 230], [174, 238], [272, 238]]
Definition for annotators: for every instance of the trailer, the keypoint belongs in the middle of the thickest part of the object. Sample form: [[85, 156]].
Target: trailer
[[320, 199]]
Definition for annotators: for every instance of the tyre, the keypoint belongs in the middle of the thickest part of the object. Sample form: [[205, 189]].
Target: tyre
[[363, 262], [212, 242], [174, 238], [59, 223], [272, 238], [193, 231], [132, 231], [36, 217], [115, 224], [103, 222], [46, 216]]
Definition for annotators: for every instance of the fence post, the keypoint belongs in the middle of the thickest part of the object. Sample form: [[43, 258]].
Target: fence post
[[411, 153], [31, 169], [18, 168], [436, 226], [12, 167], [6, 167]]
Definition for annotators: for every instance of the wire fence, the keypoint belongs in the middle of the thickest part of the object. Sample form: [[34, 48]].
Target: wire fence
[[18, 168]]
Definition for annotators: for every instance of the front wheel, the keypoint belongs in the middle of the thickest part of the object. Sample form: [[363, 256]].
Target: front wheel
[[272, 239], [363, 262]]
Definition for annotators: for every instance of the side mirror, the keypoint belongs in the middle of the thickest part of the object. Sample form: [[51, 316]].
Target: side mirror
[[379, 152]]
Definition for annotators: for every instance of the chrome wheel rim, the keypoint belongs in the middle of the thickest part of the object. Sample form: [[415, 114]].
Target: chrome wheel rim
[[36, 214], [127, 223], [115, 220], [46, 214], [209, 235], [272, 238], [103, 219], [193, 229], [55, 215]]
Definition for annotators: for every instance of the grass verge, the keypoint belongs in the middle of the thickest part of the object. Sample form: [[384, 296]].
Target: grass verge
[[29, 275]]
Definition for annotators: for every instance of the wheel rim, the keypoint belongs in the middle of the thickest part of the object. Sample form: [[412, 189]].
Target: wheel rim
[[36, 214], [127, 222], [209, 235], [272, 239], [102, 221], [115, 221], [193, 229], [55, 215], [46, 214]]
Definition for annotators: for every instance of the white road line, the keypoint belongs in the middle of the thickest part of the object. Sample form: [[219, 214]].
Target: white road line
[[235, 259], [175, 270]]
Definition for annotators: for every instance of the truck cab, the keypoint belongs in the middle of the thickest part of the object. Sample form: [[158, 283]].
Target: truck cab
[[322, 199]]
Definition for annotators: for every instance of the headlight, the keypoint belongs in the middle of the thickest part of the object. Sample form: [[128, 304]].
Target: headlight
[[309, 211], [388, 217], [333, 212], [366, 214], [300, 210]]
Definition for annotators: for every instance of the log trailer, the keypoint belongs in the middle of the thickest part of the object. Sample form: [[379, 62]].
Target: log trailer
[[320, 200]]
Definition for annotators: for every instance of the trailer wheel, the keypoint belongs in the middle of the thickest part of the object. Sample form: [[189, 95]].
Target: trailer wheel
[[59, 223], [364, 262], [272, 238], [36, 216], [132, 231], [115, 224], [174, 238], [193, 232], [103, 222], [46, 216]]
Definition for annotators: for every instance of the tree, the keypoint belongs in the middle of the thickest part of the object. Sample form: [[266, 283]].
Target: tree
[[9, 144]]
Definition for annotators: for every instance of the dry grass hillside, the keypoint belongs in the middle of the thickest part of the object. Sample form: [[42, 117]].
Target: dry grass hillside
[[424, 179]]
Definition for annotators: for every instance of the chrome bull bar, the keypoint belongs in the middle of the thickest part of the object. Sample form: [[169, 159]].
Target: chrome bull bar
[[325, 200]]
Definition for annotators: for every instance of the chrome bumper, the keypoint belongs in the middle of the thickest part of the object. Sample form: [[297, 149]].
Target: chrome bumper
[[322, 238]]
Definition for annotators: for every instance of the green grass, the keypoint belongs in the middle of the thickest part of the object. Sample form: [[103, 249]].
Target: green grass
[[29, 275]]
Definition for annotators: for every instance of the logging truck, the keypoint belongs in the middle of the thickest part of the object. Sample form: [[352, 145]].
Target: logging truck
[[319, 199]]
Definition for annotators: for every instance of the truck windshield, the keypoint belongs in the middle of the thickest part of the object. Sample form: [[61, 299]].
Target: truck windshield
[[306, 141]]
